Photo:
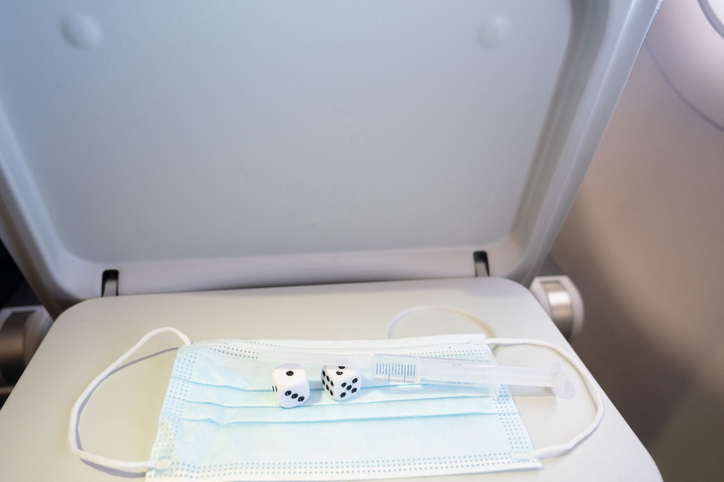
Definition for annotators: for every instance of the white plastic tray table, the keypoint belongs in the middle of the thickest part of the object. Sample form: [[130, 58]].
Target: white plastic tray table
[[121, 417]]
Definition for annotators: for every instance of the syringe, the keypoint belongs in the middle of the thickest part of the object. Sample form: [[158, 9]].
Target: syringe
[[439, 371]]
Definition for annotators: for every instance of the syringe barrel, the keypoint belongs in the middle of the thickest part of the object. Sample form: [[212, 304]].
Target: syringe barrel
[[396, 368], [483, 374], [476, 373], [410, 369], [533, 377], [458, 371]]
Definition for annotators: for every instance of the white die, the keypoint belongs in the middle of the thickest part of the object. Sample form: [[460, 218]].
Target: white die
[[341, 383], [290, 385]]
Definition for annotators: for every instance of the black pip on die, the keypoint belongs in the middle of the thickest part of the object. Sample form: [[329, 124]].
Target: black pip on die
[[290, 385], [341, 383]]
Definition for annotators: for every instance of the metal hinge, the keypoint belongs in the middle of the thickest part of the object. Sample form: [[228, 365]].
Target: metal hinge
[[560, 298]]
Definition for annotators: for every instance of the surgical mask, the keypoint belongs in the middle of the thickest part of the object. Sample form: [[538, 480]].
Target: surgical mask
[[220, 420]]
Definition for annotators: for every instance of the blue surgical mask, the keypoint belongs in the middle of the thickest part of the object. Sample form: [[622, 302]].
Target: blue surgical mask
[[220, 420]]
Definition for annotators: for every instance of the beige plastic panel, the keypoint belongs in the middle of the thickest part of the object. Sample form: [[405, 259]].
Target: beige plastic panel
[[643, 243]]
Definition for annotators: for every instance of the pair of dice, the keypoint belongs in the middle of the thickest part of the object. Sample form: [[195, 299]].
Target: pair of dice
[[291, 385]]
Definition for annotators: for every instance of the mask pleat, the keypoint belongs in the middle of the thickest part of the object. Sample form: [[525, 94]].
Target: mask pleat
[[220, 420]]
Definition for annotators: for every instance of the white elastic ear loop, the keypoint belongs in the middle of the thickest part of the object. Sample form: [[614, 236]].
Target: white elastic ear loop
[[556, 450], [97, 459], [420, 309]]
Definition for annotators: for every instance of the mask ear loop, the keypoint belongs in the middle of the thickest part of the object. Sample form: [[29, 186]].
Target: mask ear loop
[[75, 411], [595, 392], [544, 452], [420, 309]]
